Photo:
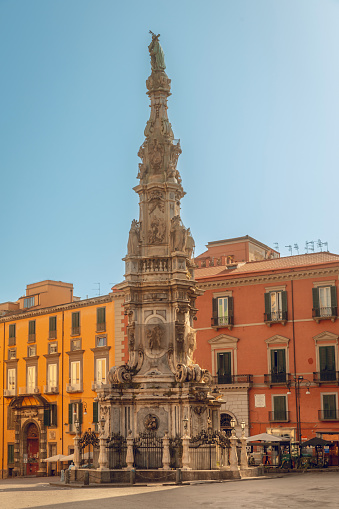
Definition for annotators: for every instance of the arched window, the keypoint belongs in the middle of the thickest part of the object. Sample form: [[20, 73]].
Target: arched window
[[225, 423]]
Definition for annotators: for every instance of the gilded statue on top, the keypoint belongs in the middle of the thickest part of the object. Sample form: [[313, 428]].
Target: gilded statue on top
[[157, 54]]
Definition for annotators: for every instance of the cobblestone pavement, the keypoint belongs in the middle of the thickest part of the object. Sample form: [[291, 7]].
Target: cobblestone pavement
[[289, 491]]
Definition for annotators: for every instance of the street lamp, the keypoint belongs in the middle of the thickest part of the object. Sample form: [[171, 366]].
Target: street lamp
[[185, 421], [233, 421], [299, 381], [243, 424]]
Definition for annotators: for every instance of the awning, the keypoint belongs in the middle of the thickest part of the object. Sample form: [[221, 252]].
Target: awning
[[265, 437], [315, 442]]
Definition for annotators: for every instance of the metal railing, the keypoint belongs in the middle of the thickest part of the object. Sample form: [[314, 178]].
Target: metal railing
[[279, 416], [233, 379], [75, 331], [101, 327], [275, 316], [277, 378], [328, 415], [326, 375], [73, 388], [29, 390], [222, 321], [325, 312], [11, 341], [31, 338], [49, 389], [52, 334]]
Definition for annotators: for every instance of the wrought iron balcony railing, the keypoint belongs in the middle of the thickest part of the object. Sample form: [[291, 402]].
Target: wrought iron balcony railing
[[275, 316], [101, 327], [52, 334], [323, 313], [233, 379], [328, 415], [326, 376], [222, 321], [31, 338], [277, 378], [30, 389], [279, 416], [51, 389], [11, 341], [75, 331]]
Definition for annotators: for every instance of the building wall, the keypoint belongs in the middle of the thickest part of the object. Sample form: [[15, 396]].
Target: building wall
[[31, 406]]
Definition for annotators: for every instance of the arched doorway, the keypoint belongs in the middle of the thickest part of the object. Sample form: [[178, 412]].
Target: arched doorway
[[32, 449], [225, 423]]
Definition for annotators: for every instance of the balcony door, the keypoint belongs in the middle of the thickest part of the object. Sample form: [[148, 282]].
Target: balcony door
[[278, 365], [327, 363], [224, 368]]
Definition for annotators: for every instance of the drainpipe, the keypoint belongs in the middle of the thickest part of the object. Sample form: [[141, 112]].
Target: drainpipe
[[296, 392]]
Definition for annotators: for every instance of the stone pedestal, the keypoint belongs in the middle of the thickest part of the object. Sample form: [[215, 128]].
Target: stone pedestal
[[233, 453], [166, 458], [103, 459], [243, 454], [185, 453], [76, 451], [129, 455]]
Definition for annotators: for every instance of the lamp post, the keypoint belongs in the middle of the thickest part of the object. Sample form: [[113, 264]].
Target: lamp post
[[76, 444], [297, 382], [233, 450], [243, 454]]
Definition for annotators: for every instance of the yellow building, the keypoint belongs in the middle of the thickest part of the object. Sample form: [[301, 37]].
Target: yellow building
[[55, 350]]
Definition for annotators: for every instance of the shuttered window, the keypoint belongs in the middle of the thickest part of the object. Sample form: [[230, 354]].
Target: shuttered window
[[224, 362], [329, 406], [275, 306], [278, 365], [324, 301], [279, 408], [95, 411], [222, 311], [327, 363]]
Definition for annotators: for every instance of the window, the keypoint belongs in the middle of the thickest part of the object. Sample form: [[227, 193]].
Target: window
[[222, 308], [100, 341], [329, 407], [29, 302], [224, 363], [74, 414], [31, 331], [76, 323], [324, 302], [101, 319], [100, 371], [11, 379], [52, 373], [75, 344], [52, 327], [11, 334], [275, 306], [279, 409], [95, 412], [31, 351], [52, 348], [31, 379], [11, 353], [10, 454], [75, 376], [327, 363], [50, 415], [278, 365], [225, 423]]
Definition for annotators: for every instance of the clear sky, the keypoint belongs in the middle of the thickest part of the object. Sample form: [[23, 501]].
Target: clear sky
[[255, 104]]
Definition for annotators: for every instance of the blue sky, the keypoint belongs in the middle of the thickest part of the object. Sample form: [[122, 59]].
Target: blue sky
[[255, 104]]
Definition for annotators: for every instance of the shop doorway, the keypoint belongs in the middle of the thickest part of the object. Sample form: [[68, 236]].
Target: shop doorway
[[32, 449]]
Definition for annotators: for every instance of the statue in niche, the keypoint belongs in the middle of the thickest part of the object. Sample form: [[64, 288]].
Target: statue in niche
[[190, 345], [154, 336], [157, 53], [134, 238], [157, 231], [190, 244], [156, 201], [178, 234], [155, 152]]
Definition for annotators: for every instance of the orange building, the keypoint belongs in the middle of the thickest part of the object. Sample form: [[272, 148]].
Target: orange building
[[268, 331], [55, 350]]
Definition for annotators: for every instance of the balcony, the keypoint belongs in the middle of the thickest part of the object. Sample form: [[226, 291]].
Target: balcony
[[9, 393], [49, 389], [328, 415], [223, 321], [73, 388], [326, 377], [31, 338], [275, 317], [101, 327], [272, 379], [29, 390], [11, 341], [75, 331], [325, 313], [52, 334], [233, 379], [279, 416]]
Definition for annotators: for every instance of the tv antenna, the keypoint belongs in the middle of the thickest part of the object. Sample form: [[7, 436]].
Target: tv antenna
[[276, 246], [296, 247], [98, 289], [289, 248]]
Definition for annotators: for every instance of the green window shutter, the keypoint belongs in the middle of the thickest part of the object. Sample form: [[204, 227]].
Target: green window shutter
[[31, 327], [230, 310], [267, 306], [75, 319], [47, 420], [70, 413], [214, 311], [333, 296], [279, 403], [80, 413], [10, 453], [101, 315], [11, 331], [52, 323], [95, 411], [54, 415], [316, 305], [284, 305]]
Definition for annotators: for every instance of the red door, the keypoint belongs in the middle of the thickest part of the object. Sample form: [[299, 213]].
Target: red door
[[32, 449]]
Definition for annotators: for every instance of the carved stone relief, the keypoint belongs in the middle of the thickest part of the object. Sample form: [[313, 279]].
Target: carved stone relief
[[157, 231]]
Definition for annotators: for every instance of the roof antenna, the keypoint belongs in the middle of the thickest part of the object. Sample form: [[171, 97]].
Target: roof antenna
[[276, 246], [296, 247], [98, 289], [289, 248]]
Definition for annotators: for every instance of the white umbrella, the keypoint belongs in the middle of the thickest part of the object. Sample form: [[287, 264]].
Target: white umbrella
[[70, 457], [265, 437]]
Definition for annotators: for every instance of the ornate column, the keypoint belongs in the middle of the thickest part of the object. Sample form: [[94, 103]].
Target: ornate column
[[166, 459], [103, 459], [129, 455], [76, 445], [186, 464]]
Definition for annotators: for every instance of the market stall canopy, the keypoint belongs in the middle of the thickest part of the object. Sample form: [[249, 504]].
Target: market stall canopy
[[265, 437], [70, 457], [315, 442], [56, 457]]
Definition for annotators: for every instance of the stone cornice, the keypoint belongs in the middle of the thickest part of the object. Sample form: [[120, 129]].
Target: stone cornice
[[223, 282], [55, 309]]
